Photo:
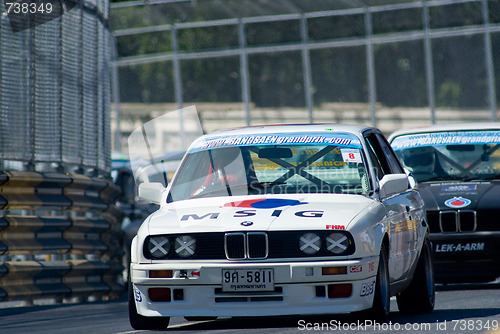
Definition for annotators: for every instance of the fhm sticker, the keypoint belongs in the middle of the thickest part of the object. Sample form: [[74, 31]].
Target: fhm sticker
[[457, 202]]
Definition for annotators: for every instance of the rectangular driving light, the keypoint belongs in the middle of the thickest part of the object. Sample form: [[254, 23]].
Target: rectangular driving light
[[161, 273], [334, 270]]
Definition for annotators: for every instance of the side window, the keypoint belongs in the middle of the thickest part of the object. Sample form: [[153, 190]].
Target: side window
[[378, 156], [392, 159]]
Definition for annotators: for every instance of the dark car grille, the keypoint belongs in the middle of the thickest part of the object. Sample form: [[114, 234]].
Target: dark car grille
[[253, 245], [453, 221], [250, 245]]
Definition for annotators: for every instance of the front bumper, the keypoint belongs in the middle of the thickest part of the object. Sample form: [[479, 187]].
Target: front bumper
[[300, 288], [466, 257]]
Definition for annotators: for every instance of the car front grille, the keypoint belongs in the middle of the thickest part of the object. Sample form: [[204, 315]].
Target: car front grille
[[249, 245], [453, 221]]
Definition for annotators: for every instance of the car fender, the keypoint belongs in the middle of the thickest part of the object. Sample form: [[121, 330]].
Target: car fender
[[368, 230], [133, 253]]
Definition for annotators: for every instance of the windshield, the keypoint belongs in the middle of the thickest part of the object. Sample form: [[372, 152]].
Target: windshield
[[271, 169], [465, 155]]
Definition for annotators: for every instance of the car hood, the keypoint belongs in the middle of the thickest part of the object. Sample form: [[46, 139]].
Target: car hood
[[262, 213], [460, 195]]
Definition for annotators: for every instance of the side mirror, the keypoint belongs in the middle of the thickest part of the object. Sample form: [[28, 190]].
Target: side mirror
[[151, 192], [393, 184]]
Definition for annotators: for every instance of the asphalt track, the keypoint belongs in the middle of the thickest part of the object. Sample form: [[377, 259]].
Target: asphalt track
[[470, 308]]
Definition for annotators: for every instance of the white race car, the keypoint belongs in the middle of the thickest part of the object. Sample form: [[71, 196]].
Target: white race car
[[282, 220]]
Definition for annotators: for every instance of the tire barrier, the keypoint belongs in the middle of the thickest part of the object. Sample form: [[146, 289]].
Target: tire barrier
[[60, 237]]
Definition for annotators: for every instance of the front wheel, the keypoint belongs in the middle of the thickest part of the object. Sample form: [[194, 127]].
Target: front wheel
[[419, 296], [381, 306], [140, 322]]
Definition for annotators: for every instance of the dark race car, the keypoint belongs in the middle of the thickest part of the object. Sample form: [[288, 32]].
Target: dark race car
[[457, 168]]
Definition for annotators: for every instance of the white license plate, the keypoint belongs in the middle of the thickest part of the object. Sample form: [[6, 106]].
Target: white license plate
[[235, 280]]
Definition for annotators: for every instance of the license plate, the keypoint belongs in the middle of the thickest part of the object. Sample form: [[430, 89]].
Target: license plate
[[236, 280]]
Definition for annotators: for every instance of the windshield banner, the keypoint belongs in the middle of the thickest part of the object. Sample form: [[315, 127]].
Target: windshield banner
[[446, 138], [338, 139]]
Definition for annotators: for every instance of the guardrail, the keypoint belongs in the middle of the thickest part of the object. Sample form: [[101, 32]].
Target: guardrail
[[60, 237]]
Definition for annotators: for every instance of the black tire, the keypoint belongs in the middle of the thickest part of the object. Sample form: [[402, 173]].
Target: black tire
[[381, 306], [139, 322], [200, 318], [419, 297]]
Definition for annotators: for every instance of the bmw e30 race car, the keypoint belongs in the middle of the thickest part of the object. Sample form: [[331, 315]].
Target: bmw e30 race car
[[457, 168], [282, 220]]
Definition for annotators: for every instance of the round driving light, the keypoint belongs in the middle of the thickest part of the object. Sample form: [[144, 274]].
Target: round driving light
[[309, 243], [158, 246], [185, 246], [337, 243]]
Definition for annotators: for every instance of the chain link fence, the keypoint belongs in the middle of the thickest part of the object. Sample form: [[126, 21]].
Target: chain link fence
[[421, 61], [55, 92]]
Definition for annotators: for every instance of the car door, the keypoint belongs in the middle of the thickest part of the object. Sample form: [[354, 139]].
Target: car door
[[400, 210]]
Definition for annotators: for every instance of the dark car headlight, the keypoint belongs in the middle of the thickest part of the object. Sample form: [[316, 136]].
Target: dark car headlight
[[309, 243], [158, 246], [185, 246]]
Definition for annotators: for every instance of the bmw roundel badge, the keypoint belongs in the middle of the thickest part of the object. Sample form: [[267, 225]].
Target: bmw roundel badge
[[246, 223]]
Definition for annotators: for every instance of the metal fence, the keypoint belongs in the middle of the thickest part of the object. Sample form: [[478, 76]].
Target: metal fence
[[434, 60], [60, 230], [55, 92]]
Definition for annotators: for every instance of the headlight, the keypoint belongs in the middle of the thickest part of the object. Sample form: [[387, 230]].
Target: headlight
[[337, 243], [185, 246], [309, 243], [158, 246]]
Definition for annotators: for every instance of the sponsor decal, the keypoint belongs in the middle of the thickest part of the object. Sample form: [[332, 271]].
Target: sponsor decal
[[341, 139], [468, 247], [335, 227], [367, 289], [446, 138], [309, 214], [250, 213], [356, 269], [457, 202], [195, 273], [213, 215], [246, 223], [459, 188], [270, 203], [138, 296], [371, 267]]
